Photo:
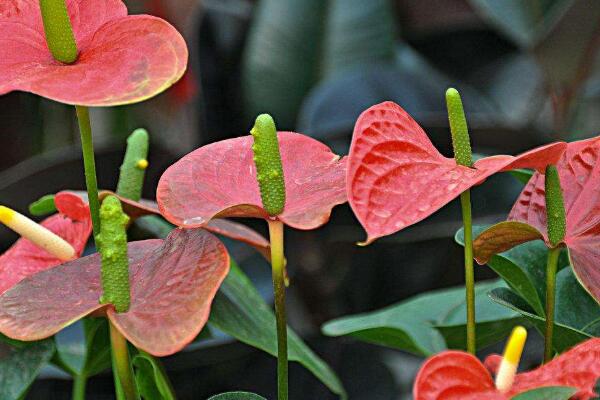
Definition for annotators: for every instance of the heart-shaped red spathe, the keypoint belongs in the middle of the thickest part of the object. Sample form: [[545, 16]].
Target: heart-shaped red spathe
[[219, 180], [579, 172], [173, 283], [230, 229], [455, 375], [24, 258], [122, 59], [396, 177]]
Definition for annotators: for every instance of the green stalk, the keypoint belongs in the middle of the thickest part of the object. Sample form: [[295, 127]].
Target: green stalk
[[278, 266], [79, 383], [122, 363], [551, 268], [89, 163], [461, 144], [557, 226], [465, 203]]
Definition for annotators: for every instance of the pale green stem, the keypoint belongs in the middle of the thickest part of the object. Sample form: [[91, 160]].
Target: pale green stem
[[122, 363], [465, 202], [79, 383], [278, 266], [551, 268], [89, 163]]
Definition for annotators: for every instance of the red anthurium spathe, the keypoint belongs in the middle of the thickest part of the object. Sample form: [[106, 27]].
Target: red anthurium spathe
[[219, 180], [173, 283], [396, 177], [455, 375], [122, 59], [579, 172], [230, 229], [24, 258]]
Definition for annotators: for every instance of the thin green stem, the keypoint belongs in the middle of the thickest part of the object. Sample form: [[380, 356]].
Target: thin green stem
[[465, 202], [551, 267], [278, 266], [79, 383], [122, 364], [87, 146]]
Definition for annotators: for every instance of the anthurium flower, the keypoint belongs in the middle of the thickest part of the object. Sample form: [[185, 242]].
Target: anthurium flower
[[24, 258], [173, 283], [456, 375], [396, 177], [578, 170], [219, 180], [122, 59], [224, 227]]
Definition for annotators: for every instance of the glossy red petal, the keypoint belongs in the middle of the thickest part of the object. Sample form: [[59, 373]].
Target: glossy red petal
[[122, 59], [578, 367], [219, 180], [232, 230], [25, 258], [71, 205], [237, 231], [172, 291], [46, 302], [579, 172], [396, 177], [173, 283], [454, 375]]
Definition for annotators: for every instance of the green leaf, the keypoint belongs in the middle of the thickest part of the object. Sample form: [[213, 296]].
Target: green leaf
[[547, 393], [151, 379], [574, 305], [565, 337], [44, 206], [19, 367], [90, 357], [293, 44], [522, 175], [237, 396], [411, 325], [523, 268], [240, 311]]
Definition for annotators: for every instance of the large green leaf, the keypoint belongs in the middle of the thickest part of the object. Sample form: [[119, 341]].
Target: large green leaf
[[565, 337], [20, 366], [237, 396], [411, 325], [547, 393], [292, 44], [523, 268], [151, 379], [240, 311]]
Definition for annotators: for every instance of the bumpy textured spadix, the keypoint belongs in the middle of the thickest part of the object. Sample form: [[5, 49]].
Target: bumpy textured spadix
[[121, 60], [112, 241], [459, 129], [269, 172], [59, 33], [555, 207]]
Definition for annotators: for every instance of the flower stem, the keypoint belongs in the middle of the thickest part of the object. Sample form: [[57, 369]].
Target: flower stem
[[278, 265], [551, 267], [79, 383], [122, 363], [87, 146], [465, 202]]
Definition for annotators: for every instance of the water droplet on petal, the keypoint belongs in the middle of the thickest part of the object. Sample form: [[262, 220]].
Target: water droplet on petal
[[194, 221]]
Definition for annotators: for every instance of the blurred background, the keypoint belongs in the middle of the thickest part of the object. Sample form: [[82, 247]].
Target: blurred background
[[528, 71]]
